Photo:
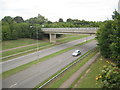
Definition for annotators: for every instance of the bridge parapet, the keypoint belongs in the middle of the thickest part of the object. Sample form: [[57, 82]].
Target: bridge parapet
[[91, 30]]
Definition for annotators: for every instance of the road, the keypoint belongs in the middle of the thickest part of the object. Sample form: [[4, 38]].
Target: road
[[36, 74], [10, 64]]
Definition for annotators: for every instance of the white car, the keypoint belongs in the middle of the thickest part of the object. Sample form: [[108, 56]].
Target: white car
[[76, 53]]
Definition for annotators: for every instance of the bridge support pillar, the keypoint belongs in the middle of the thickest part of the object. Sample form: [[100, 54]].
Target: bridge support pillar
[[52, 38]]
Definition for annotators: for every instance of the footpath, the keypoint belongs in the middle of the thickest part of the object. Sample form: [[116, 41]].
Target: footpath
[[68, 82]]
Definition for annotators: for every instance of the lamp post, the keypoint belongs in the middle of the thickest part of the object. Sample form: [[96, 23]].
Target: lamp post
[[42, 26], [36, 36], [30, 30], [37, 40]]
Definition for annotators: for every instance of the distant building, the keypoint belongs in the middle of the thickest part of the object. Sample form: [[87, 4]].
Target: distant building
[[119, 6]]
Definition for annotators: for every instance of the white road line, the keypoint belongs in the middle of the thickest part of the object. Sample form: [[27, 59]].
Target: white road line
[[17, 58], [13, 85]]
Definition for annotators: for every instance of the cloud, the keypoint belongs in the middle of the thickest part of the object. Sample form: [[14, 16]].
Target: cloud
[[55, 9]]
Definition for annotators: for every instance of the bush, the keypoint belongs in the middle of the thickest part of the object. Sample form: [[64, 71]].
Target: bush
[[110, 77]]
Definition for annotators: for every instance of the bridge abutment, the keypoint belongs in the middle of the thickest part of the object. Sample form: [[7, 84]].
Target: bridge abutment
[[52, 38]]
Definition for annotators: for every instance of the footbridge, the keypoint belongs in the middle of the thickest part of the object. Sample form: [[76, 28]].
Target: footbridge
[[53, 31]]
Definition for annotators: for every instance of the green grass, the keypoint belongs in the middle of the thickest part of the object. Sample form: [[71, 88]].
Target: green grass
[[22, 42], [63, 77], [89, 81], [17, 43], [22, 67], [71, 38], [6, 53]]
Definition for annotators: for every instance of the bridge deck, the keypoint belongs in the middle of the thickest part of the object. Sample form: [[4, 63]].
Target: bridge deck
[[91, 30]]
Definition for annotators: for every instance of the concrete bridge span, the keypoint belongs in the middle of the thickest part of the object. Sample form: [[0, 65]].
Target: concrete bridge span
[[53, 31]]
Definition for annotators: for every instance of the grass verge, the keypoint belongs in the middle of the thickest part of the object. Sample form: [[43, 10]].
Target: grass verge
[[22, 67], [17, 43], [89, 80], [71, 38], [64, 76]]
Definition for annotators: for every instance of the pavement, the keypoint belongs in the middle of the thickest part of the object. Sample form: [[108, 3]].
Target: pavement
[[37, 73], [13, 63]]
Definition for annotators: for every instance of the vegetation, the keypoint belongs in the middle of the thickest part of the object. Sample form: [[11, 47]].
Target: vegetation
[[72, 23], [71, 38], [15, 28], [18, 43], [110, 77], [88, 77], [109, 38], [109, 43]]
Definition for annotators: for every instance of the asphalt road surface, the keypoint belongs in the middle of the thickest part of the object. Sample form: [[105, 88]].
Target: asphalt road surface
[[36, 74], [13, 63]]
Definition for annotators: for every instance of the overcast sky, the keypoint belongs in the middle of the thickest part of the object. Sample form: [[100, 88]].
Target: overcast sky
[[92, 10]]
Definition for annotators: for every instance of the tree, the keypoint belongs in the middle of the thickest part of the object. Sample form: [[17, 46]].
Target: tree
[[18, 19], [37, 20], [115, 46], [6, 33], [69, 20], [7, 19], [60, 20], [109, 38], [103, 38]]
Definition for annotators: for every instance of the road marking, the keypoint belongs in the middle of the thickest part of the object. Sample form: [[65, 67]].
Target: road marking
[[13, 85], [16, 58]]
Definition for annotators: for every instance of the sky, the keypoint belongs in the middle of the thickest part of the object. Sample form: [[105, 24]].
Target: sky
[[90, 10]]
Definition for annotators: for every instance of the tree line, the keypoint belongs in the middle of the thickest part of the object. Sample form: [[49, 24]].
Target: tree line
[[16, 27]]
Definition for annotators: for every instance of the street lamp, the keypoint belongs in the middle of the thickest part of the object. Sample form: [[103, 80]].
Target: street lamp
[[30, 30], [42, 25], [36, 36], [37, 40]]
